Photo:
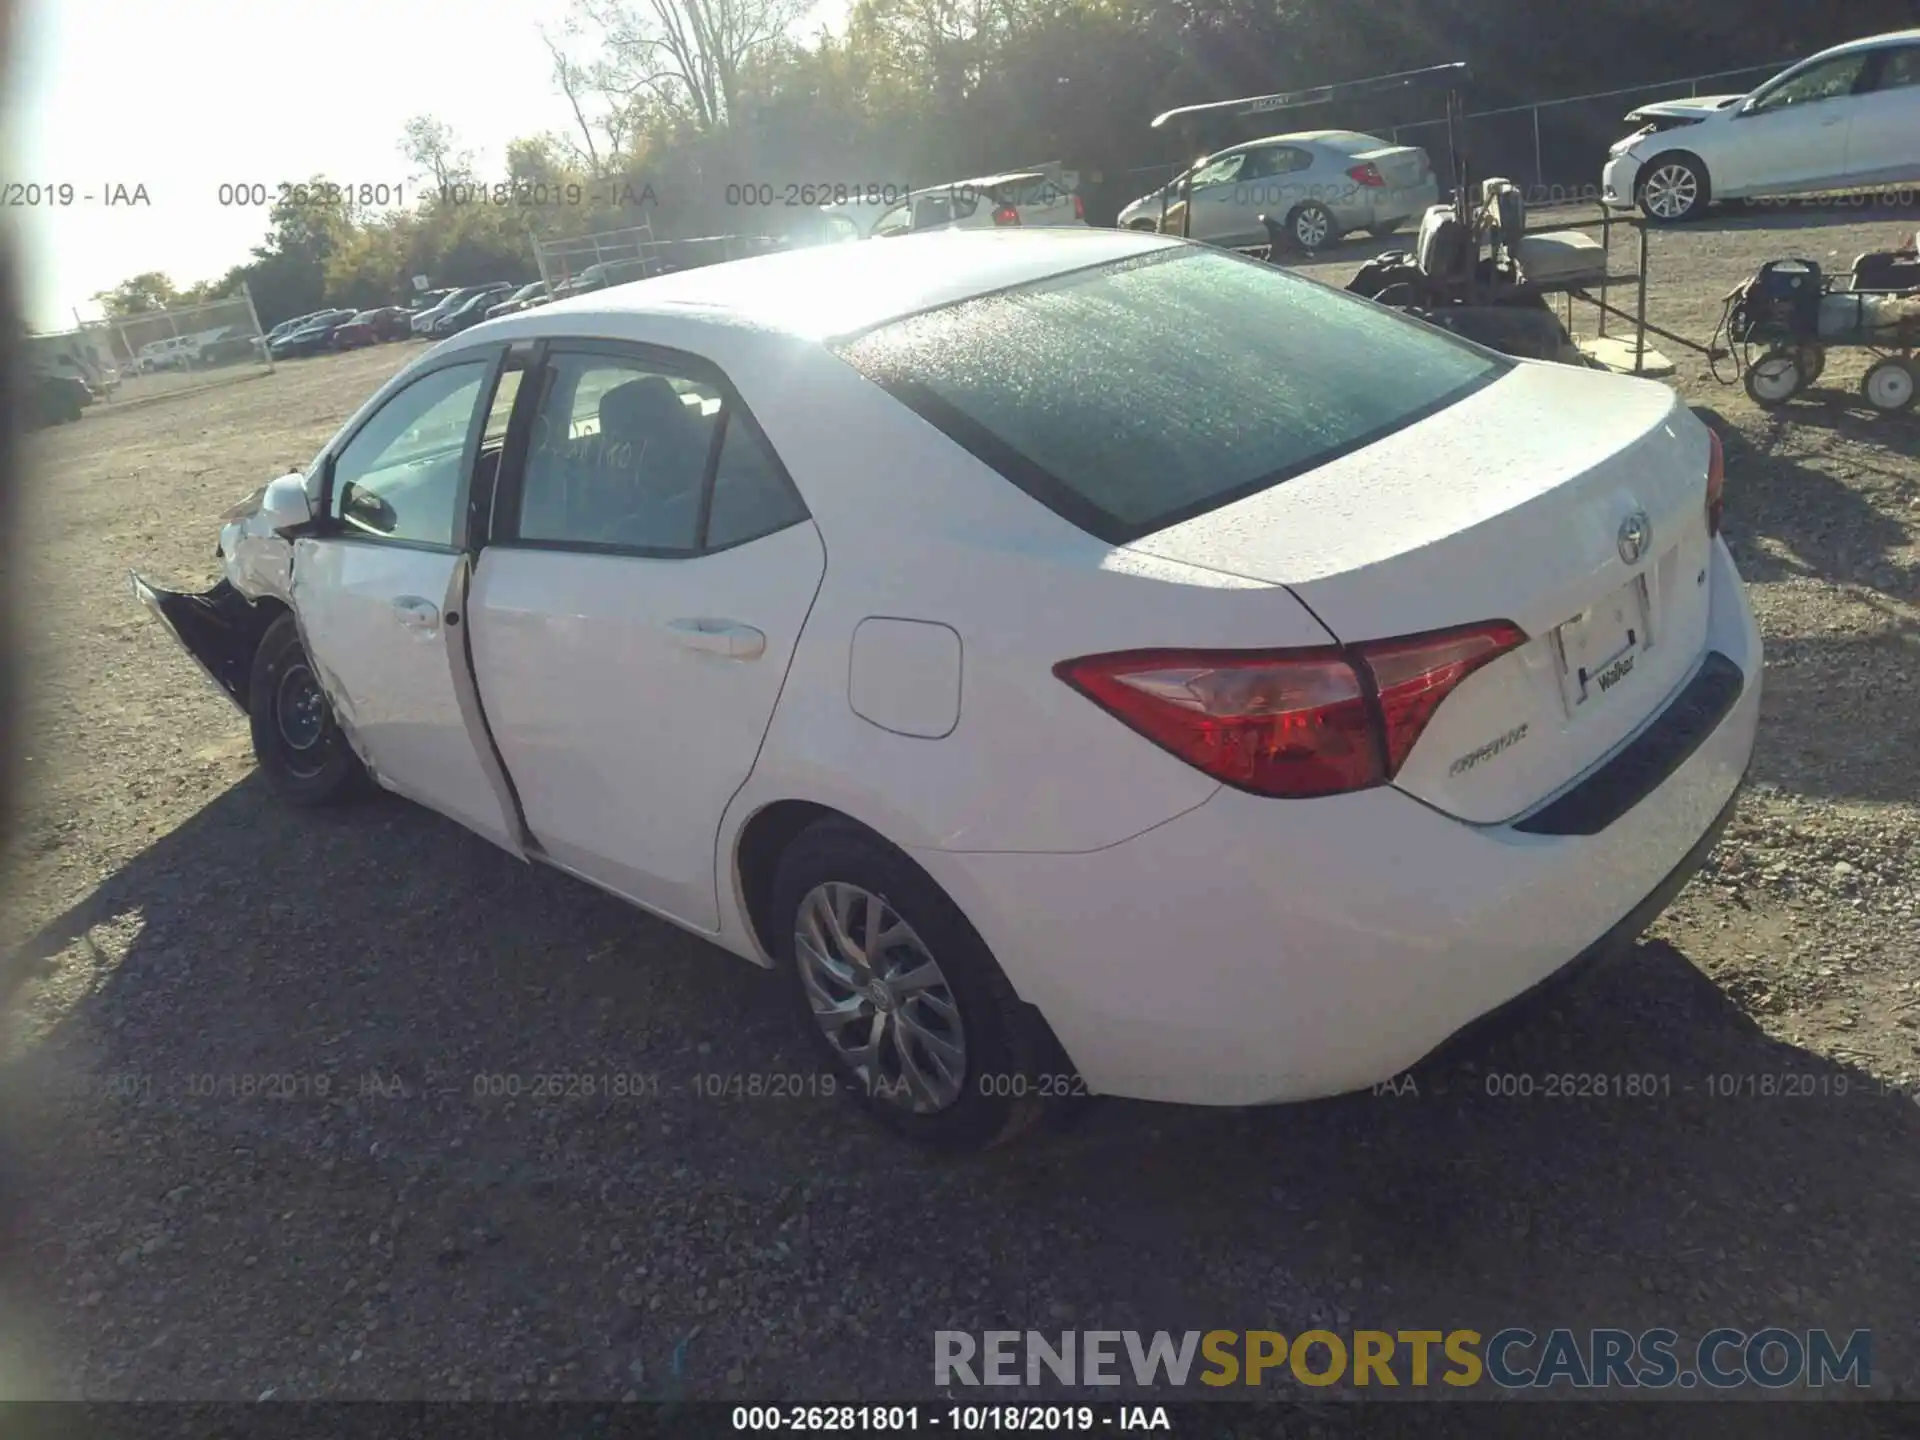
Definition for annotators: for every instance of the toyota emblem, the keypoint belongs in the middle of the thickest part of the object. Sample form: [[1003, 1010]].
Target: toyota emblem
[[1636, 533]]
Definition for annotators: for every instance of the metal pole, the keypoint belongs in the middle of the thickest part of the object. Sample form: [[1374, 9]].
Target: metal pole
[[1640, 317], [1539, 165], [246, 293], [1606, 244]]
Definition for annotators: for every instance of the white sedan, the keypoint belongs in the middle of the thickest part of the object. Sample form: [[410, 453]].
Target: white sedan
[[1081, 661], [1847, 118]]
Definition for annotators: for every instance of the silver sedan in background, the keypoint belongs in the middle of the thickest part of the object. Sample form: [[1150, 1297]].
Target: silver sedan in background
[[1319, 183]]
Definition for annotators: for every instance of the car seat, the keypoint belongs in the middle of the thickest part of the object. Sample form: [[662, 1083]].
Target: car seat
[[641, 474]]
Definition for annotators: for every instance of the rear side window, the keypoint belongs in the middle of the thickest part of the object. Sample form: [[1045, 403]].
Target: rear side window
[[1131, 397]]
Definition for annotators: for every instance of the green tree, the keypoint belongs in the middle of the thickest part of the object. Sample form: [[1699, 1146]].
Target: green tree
[[150, 290]]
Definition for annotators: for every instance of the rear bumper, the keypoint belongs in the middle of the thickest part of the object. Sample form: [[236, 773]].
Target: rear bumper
[[1252, 950], [220, 628]]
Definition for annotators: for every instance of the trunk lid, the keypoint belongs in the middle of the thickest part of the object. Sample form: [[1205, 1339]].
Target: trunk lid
[[1401, 166], [1511, 505]]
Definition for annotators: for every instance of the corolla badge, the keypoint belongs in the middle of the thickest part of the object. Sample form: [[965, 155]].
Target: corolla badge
[[1636, 534]]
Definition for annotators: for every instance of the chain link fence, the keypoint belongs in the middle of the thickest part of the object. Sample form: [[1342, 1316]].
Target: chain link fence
[[187, 347], [614, 257]]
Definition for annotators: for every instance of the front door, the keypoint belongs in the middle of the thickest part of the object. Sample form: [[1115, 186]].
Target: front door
[[380, 596], [633, 614], [1793, 135]]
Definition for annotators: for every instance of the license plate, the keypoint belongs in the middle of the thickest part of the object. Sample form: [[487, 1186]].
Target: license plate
[[1598, 649]]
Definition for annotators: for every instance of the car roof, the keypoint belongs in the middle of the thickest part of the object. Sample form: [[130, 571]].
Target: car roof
[[1870, 42], [830, 290]]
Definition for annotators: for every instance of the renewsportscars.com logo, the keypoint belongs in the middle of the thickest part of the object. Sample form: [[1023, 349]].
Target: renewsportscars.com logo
[[1513, 1359]]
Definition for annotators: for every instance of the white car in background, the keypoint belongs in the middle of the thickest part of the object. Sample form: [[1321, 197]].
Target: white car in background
[[1080, 661], [1320, 184], [1021, 198], [1847, 118]]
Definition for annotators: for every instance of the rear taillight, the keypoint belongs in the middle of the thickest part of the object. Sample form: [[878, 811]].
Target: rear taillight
[[1079, 208], [1716, 483], [1291, 723], [1006, 215], [1367, 174]]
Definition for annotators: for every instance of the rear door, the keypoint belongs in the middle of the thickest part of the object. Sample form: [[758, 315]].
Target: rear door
[[633, 615], [1883, 142], [381, 593]]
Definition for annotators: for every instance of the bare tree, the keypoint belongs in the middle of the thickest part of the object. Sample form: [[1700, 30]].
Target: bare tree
[[685, 53], [606, 133], [431, 146]]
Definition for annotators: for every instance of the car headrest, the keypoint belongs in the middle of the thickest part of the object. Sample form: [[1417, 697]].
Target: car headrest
[[641, 410]]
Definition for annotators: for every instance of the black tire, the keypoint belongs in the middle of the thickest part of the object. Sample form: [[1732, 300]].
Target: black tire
[[1312, 217], [1007, 1048], [1678, 174], [281, 695]]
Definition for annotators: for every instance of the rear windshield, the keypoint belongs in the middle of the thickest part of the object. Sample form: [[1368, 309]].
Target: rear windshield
[[1130, 397], [1352, 142]]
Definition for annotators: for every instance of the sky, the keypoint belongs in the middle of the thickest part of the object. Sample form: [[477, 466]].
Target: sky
[[183, 96]]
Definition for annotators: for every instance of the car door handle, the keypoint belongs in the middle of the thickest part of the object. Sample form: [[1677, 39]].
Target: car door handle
[[417, 613], [719, 637]]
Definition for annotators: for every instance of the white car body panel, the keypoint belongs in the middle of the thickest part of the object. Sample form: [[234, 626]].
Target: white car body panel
[[1340, 940], [373, 617], [1186, 941], [1843, 141], [586, 657]]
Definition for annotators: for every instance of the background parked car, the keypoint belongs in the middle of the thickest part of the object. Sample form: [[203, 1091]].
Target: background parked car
[[1321, 183], [520, 300], [313, 337], [55, 400], [1847, 117], [234, 346], [371, 327], [424, 320], [1025, 197], [469, 312]]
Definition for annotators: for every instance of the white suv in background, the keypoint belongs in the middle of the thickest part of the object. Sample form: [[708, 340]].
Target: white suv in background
[[1847, 118], [1021, 197]]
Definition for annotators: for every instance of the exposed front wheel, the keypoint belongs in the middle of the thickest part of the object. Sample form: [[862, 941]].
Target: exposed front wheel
[[901, 997], [1673, 189], [301, 749]]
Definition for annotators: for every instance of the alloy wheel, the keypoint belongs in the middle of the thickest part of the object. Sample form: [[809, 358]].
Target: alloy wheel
[[880, 998], [1671, 191]]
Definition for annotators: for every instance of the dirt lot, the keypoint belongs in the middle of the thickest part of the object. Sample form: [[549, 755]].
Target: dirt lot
[[172, 932]]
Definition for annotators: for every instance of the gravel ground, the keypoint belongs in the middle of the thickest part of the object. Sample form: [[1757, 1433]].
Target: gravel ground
[[174, 939]]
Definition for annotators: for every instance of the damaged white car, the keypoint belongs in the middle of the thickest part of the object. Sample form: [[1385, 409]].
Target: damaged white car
[[1079, 659]]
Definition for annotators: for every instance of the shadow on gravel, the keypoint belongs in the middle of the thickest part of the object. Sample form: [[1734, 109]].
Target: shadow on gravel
[[1639, 1155], [1902, 220], [1831, 530]]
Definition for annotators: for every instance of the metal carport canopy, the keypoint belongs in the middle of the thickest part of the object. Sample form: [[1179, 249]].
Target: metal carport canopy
[[1433, 77]]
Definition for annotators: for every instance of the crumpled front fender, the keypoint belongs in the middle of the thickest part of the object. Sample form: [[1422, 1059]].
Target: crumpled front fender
[[220, 628]]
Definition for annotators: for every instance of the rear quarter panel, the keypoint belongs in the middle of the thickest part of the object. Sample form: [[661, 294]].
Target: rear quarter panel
[[917, 529]]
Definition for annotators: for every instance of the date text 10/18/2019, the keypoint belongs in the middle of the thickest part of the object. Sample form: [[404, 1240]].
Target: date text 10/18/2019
[[959, 1419]]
